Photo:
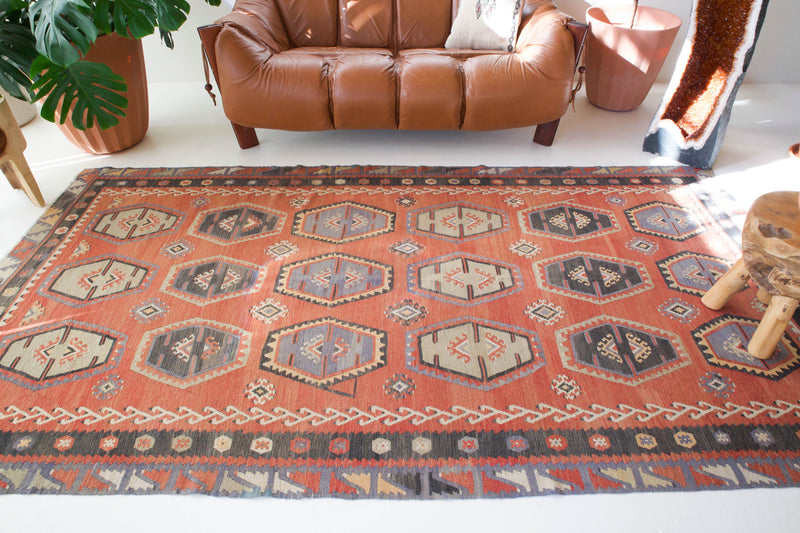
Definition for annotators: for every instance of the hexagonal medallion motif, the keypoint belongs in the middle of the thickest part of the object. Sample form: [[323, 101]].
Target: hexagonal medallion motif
[[474, 352], [567, 221], [463, 279], [56, 354], [324, 352], [191, 352], [664, 220], [97, 279], [334, 279], [619, 350], [342, 222], [592, 277], [212, 279], [134, 222], [237, 223], [723, 342], [457, 221], [692, 272]]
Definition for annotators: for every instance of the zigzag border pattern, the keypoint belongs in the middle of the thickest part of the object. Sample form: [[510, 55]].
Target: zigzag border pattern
[[448, 482], [213, 416]]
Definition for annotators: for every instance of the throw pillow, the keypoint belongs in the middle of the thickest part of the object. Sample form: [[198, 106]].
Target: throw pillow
[[485, 25]]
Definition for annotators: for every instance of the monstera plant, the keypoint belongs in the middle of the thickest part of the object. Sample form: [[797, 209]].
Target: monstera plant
[[43, 44]]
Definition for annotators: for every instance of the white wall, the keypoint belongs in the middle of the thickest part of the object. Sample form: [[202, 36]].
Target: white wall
[[775, 59]]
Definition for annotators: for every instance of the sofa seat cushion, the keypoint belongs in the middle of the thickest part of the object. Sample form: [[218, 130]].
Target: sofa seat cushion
[[476, 90], [506, 91], [308, 89]]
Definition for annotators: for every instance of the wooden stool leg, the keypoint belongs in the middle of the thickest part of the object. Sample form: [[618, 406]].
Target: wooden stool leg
[[726, 286], [772, 326], [17, 171], [764, 296]]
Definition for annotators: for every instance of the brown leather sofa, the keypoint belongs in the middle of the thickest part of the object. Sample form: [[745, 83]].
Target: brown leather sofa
[[307, 65]]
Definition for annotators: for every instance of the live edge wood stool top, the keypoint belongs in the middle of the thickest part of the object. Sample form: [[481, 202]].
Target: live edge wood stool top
[[771, 257], [771, 243]]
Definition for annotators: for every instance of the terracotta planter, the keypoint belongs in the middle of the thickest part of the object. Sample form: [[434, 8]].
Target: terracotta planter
[[126, 58], [623, 62]]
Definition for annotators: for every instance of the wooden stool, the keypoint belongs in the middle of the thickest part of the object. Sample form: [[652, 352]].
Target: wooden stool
[[771, 257], [12, 161]]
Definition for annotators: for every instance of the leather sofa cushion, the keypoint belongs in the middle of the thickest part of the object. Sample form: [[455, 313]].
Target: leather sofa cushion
[[314, 88], [362, 90], [432, 88], [366, 23], [309, 22], [423, 23]]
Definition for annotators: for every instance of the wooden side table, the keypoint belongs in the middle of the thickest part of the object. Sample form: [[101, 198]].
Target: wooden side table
[[771, 257], [12, 160]]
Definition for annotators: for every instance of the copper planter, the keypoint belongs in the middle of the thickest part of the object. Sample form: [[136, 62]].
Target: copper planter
[[126, 58], [622, 62]]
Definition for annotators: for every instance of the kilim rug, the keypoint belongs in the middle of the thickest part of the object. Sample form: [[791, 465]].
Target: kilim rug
[[366, 332]]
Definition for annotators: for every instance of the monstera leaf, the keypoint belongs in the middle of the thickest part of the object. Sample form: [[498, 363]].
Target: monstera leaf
[[17, 52], [91, 89], [64, 29], [171, 13], [129, 18]]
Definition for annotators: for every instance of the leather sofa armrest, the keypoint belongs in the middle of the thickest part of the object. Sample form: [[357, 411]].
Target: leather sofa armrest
[[545, 35], [259, 21]]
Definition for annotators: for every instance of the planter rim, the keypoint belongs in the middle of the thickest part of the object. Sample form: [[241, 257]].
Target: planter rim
[[670, 20]]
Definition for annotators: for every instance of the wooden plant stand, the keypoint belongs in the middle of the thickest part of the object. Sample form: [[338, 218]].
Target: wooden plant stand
[[12, 160], [771, 258]]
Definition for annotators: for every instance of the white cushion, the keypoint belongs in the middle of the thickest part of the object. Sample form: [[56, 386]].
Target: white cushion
[[485, 25]]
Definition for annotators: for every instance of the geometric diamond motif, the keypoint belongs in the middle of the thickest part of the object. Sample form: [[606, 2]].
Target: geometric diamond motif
[[399, 386], [723, 342], [177, 249], [525, 248], [406, 247], [463, 279], [567, 222], [279, 250], [149, 310], [591, 277], [334, 279], [324, 352], [620, 350], [457, 221], [342, 222], [642, 246], [268, 311], [406, 312], [717, 384], [55, 354], [212, 279], [664, 220], [679, 310], [474, 352], [97, 279], [191, 352], [134, 222], [545, 312], [692, 272], [237, 223]]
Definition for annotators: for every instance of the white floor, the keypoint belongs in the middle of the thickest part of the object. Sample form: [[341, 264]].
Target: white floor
[[185, 130]]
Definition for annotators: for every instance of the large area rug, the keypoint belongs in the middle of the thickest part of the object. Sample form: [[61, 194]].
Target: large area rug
[[365, 332]]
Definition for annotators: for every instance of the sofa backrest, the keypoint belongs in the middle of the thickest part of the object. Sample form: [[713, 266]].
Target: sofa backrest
[[394, 24]]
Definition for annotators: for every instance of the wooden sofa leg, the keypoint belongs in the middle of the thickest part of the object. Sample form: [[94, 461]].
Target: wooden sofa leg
[[546, 133], [246, 136]]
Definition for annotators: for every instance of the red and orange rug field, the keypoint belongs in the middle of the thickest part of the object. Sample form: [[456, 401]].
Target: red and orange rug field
[[401, 332]]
